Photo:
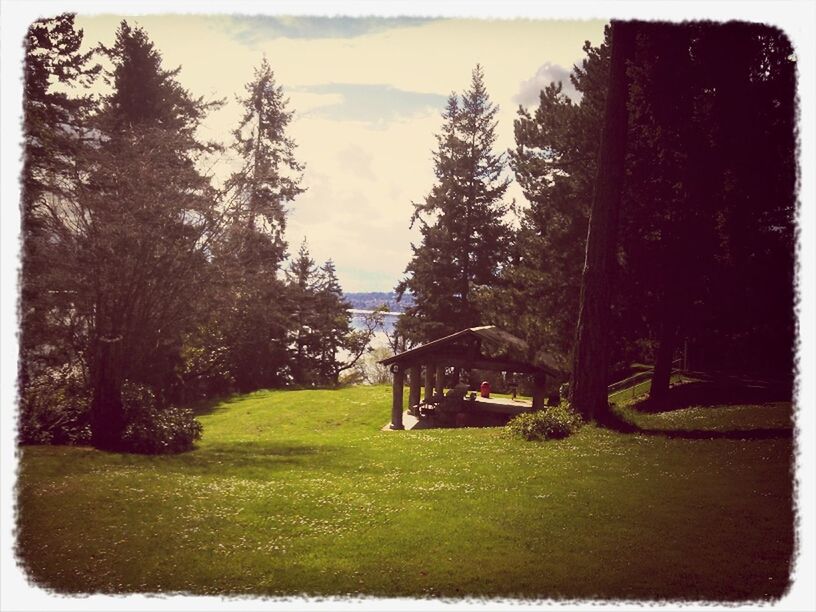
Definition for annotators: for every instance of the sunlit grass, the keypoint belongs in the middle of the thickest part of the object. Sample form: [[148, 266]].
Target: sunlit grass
[[300, 491]]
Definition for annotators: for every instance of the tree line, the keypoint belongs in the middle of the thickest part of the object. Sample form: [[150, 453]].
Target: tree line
[[140, 275], [146, 283], [660, 211]]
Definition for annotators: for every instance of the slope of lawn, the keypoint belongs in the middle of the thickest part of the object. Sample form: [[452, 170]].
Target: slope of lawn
[[300, 492]]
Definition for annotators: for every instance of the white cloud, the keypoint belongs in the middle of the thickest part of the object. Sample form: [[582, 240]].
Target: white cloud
[[547, 73], [361, 175]]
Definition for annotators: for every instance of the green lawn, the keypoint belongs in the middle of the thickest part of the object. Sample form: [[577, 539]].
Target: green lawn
[[299, 491]]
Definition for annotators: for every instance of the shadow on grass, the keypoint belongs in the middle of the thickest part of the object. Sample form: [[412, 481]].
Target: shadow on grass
[[618, 423], [615, 421], [706, 394], [253, 458]]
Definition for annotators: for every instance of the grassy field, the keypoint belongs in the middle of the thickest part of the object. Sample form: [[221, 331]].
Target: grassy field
[[300, 492]]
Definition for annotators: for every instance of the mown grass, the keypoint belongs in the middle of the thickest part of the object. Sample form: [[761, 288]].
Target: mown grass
[[300, 492]]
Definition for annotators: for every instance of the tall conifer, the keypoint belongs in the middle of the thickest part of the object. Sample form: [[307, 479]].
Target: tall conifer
[[461, 220]]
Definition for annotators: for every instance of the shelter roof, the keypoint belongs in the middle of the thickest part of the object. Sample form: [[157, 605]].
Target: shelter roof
[[485, 347]]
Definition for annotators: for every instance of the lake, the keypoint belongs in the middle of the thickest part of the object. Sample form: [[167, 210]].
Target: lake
[[381, 334]]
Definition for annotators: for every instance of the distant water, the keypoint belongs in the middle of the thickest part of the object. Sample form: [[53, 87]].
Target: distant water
[[389, 320]]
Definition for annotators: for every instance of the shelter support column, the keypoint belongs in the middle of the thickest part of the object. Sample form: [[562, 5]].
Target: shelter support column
[[396, 404], [415, 388], [539, 383], [429, 381], [439, 382]]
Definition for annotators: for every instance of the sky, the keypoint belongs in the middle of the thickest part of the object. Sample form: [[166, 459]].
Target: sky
[[367, 94]]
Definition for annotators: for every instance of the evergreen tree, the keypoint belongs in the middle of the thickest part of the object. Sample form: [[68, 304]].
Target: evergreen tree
[[464, 239], [303, 284], [142, 227], [323, 344], [684, 263], [252, 308], [270, 175], [342, 346], [53, 121], [554, 162], [698, 124], [333, 322]]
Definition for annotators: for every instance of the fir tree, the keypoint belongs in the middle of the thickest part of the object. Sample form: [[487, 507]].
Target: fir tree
[[461, 221], [303, 283], [270, 175], [147, 221], [588, 382], [53, 122], [333, 322], [253, 309]]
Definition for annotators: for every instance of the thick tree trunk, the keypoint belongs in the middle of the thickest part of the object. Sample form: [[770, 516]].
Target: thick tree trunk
[[539, 385], [591, 352], [665, 353], [107, 413]]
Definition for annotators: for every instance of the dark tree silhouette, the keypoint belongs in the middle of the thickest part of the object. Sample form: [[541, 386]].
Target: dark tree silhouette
[[590, 363], [53, 120]]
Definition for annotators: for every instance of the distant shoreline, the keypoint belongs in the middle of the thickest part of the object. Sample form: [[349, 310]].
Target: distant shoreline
[[357, 311], [365, 302]]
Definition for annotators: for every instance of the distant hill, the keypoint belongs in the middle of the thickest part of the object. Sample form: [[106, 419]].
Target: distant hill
[[371, 299]]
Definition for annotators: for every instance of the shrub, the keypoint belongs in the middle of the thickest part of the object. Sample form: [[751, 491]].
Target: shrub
[[153, 429], [54, 408], [551, 423]]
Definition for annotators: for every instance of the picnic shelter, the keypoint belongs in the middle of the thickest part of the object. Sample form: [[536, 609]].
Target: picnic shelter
[[481, 348]]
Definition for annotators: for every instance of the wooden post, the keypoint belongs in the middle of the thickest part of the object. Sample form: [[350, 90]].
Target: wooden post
[[429, 382], [415, 389], [440, 380], [396, 403]]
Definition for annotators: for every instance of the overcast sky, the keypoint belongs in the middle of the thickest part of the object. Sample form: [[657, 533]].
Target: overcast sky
[[367, 95]]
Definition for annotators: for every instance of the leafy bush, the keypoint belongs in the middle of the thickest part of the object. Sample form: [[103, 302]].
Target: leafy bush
[[551, 423], [54, 408], [153, 429]]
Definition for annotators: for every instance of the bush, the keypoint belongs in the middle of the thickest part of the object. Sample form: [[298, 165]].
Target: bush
[[551, 423], [54, 408], [152, 429]]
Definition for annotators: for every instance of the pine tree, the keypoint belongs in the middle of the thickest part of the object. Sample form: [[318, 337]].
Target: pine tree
[[554, 162], [333, 323], [53, 121], [270, 175], [461, 221], [147, 219], [323, 344], [699, 191], [303, 283], [252, 314]]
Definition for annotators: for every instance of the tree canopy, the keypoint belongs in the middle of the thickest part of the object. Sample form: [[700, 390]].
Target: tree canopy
[[464, 236], [144, 283], [659, 216]]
